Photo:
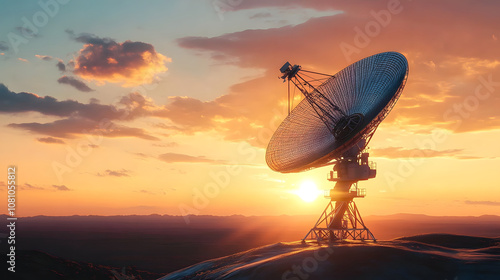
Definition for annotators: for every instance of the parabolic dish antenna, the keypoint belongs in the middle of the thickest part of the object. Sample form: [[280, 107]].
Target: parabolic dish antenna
[[332, 125], [338, 113]]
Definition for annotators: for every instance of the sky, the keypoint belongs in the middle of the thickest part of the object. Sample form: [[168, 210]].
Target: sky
[[126, 107]]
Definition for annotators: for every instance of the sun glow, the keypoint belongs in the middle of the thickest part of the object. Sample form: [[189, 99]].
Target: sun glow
[[308, 191]]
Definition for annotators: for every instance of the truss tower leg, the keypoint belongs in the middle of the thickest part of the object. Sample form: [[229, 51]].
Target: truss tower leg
[[340, 222]]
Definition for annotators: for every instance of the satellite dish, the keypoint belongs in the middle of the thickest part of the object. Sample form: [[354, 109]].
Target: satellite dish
[[337, 114], [333, 125]]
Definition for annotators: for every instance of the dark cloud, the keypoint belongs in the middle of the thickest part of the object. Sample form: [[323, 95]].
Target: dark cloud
[[400, 152], [4, 46], [50, 140], [72, 127], [11, 102], [79, 118], [61, 187], [174, 158], [105, 60], [79, 85], [115, 173], [60, 65], [484, 202]]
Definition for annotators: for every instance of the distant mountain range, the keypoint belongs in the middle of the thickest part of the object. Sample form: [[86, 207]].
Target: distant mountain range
[[161, 243]]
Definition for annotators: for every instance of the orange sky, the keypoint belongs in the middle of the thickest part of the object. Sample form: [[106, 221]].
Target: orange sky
[[171, 112]]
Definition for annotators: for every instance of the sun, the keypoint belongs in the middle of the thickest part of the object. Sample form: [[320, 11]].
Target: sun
[[308, 191]]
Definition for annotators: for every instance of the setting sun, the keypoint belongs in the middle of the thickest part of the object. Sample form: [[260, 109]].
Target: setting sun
[[308, 191]]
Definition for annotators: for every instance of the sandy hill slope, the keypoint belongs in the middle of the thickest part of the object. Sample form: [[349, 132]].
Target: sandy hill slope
[[431, 256]]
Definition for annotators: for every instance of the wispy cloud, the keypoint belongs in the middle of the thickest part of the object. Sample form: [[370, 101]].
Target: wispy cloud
[[77, 84], [400, 152], [27, 186], [483, 202], [61, 187], [115, 173], [166, 144], [175, 158], [44, 57], [146, 192], [50, 140]]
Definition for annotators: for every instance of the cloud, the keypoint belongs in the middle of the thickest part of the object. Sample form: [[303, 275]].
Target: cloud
[[11, 102], [30, 187], [78, 118], [60, 65], [250, 112], [50, 140], [166, 145], [142, 155], [72, 127], [400, 152], [261, 15], [79, 85], [128, 63], [446, 66], [61, 187], [146, 192], [115, 173], [4, 46], [22, 59], [484, 202], [44, 57], [175, 158], [134, 105], [26, 32]]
